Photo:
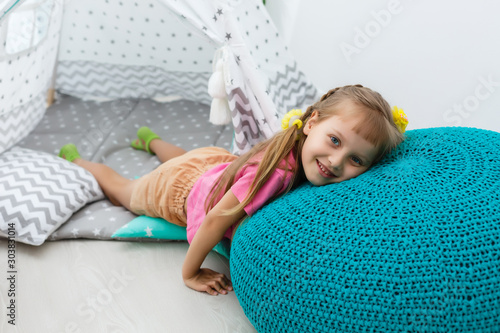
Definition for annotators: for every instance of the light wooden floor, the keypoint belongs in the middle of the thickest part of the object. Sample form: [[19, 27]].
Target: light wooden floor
[[110, 286]]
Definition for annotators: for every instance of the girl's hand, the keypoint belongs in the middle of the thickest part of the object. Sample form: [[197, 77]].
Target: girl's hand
[[211, 231], [209, 281]]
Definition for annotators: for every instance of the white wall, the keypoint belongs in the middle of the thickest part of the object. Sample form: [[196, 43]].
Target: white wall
[[439, 61]]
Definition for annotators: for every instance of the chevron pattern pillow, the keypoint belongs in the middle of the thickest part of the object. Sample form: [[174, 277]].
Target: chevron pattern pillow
[[39, 192]]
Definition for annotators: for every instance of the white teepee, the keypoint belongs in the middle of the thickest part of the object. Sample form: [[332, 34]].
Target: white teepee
[[226, 53]]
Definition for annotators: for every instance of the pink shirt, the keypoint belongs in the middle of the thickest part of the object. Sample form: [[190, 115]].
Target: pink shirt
[[201, 191]]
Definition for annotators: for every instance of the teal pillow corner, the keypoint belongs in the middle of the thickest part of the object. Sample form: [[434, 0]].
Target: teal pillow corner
[[151, 227], [158, 228]]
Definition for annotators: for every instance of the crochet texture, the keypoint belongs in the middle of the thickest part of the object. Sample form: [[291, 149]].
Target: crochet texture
[[412, 245]]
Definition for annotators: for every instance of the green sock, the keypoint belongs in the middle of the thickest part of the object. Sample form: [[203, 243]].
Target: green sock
[[144, 136], [69, 152]]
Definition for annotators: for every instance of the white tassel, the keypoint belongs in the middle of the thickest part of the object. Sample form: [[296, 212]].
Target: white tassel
[[220, 114], [216, 85]]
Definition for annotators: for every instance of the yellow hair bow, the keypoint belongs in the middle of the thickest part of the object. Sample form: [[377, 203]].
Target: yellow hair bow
[[400, 118], [292, 118]]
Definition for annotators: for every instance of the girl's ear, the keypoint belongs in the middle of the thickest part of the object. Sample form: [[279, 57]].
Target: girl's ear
[[313, 119]]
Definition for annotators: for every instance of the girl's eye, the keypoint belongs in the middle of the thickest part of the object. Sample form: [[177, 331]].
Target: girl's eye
[[356, 160], [335, 141]]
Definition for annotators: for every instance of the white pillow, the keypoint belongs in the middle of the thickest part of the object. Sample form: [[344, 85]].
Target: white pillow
[[39, 192]]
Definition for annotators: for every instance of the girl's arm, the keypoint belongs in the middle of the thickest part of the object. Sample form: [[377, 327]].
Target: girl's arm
[[211, 231]]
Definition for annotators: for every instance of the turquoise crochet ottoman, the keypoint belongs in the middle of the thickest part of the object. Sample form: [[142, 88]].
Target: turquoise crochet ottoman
[[412, 245]]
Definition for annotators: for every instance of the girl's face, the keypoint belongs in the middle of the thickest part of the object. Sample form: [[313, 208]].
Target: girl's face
[[332, 151]]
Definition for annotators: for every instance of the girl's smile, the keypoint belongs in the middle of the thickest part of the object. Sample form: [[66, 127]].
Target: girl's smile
[[324, 170], [332, 151]]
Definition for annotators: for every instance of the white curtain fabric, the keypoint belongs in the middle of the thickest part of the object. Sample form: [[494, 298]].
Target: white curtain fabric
[[28, 52]]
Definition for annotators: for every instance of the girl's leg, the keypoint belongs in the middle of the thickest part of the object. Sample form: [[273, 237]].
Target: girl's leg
[[117, 188], [164, 150], [150, 141]]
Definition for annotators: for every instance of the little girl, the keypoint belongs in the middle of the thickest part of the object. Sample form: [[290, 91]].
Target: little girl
[[209, 190]]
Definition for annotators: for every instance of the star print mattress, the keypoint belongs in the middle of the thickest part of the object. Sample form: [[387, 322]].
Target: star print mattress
[[85, 265]]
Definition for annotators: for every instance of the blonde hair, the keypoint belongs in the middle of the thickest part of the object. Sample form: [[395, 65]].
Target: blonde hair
[[376, 126]]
